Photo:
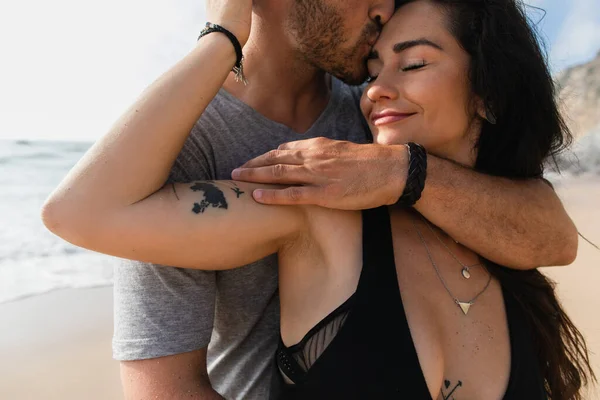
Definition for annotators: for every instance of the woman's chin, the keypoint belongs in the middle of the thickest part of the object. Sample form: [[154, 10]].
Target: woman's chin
[[389, 137]]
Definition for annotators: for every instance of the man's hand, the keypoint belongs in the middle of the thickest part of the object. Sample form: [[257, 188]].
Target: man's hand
[[334, 174]]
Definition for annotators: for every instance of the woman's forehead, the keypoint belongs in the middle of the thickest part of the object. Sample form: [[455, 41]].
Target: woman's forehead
[[414, 21]]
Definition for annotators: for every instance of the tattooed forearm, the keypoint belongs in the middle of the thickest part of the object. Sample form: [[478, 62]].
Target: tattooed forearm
[[213, 195], [175, 191], [234, 187], [448, 389], [237, 191]]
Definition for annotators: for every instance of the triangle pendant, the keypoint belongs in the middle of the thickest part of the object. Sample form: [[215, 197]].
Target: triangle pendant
[[464, 307]]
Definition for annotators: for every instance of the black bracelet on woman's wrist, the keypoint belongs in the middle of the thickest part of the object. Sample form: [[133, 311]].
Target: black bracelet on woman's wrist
[[238, 69], [417, 172]]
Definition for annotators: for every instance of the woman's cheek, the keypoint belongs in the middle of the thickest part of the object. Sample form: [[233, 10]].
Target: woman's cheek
[[422, 90]]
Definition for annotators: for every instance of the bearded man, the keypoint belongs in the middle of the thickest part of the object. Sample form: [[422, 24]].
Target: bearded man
[[193, 334]]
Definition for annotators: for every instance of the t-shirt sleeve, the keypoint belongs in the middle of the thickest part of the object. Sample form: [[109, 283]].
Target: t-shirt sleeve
[[161, 311]]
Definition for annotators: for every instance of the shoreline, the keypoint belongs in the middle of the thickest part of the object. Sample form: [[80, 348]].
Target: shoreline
[[52, 290]]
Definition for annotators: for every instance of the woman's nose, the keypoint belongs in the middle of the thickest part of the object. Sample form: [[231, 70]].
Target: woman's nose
[[380, 90]]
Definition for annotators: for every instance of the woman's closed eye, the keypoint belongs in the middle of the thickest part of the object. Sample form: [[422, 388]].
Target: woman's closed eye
[[414, 66]]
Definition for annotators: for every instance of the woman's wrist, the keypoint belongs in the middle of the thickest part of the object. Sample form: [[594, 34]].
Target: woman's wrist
[[220, 47], [240, 34], [238, 68]]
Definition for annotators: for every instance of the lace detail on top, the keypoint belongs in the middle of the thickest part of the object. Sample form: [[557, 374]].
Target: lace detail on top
[[295, 361]]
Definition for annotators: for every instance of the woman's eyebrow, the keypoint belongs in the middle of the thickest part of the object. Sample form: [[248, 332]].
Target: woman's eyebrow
[[399, 47]]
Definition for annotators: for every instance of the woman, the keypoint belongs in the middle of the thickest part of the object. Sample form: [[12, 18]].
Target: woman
[[379, 304]]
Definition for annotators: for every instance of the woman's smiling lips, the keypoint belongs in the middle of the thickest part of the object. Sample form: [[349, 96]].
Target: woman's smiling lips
[[388, 116]]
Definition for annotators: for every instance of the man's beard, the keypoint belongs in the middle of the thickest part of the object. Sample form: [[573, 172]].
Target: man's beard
[[318, 29]]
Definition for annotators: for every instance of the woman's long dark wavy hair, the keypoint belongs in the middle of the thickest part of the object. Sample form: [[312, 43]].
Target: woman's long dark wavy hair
[[508, 71]]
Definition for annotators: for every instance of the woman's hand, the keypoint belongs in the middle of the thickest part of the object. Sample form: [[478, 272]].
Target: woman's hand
[[233, 15]]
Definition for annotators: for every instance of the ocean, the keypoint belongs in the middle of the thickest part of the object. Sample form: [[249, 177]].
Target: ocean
[[33, 260]]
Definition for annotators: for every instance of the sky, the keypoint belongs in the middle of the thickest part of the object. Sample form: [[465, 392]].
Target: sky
[[69, 68]]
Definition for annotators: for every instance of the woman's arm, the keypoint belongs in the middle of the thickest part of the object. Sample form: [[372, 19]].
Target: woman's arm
[[112, 200], [134, 158], [201, 225]]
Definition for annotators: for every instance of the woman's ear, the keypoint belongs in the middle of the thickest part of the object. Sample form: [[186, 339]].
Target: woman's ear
[[485, 112]]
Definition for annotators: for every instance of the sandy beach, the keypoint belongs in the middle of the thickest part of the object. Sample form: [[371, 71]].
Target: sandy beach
[[57, 345], [577, 284]]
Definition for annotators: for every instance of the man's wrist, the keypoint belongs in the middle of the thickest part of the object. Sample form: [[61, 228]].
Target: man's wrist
[[442, 175], [399, 159], [415, 175]]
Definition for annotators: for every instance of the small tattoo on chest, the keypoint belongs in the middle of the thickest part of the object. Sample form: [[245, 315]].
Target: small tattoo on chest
[[449, 389]]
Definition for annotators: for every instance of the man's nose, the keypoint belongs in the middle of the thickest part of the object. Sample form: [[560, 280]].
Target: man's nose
[[382, 11]]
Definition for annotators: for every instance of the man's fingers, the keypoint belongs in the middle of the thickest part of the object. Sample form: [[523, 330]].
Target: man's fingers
[[294, 195], [302, 144], [292, 157], [280, 173]]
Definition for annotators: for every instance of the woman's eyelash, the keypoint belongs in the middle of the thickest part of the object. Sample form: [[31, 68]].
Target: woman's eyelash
[[410, 67], [414, 66]]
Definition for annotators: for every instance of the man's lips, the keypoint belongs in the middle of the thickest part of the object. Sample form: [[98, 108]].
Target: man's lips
[[388, 117]]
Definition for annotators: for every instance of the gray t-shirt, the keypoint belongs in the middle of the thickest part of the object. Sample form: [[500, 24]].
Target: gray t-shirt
[[164, 311]]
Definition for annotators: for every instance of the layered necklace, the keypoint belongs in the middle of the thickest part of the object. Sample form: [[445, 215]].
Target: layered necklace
[[465, 306], [466, 269]]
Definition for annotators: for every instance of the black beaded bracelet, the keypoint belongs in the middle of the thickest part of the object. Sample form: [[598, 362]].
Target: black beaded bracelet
[[417, 172], [238, 69]]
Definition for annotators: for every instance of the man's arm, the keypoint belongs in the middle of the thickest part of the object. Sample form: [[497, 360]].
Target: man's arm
[[517, 223], [168, 378], [520, 224]]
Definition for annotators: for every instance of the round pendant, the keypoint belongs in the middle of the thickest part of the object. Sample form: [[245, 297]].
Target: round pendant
[[465, 273]]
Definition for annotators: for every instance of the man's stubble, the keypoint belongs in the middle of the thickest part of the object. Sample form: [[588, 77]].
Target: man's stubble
[[319, 32]]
